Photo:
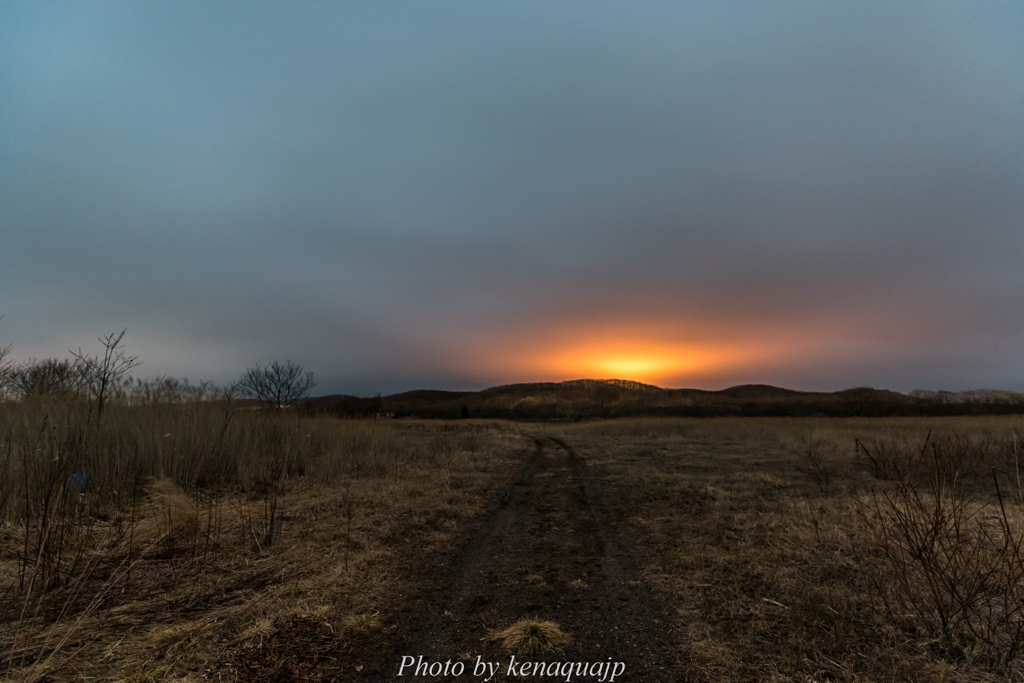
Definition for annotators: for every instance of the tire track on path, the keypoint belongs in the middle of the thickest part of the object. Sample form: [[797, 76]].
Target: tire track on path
[[549, 551]]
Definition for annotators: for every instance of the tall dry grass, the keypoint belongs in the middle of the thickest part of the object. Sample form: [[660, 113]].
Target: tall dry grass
[[200, 446], [152, 541]]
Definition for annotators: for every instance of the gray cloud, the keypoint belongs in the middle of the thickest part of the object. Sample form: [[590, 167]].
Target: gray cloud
[[371, 188]]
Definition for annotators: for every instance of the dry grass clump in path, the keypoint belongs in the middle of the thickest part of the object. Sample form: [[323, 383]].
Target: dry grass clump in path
[[529, 637]]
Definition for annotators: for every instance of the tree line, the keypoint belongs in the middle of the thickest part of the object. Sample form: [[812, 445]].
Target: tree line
[[96, 379]]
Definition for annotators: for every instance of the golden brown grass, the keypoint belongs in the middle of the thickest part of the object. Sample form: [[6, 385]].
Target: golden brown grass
[[314, 521], [763, 551], [529, 637], [208, 532]]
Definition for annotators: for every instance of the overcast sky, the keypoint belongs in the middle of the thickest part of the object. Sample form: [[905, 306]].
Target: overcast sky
[[455, 195]]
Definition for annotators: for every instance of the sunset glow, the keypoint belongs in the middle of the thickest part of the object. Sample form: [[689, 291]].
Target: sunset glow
[[622, 366], [648, 353], [664, 365], [688, 353], [639, 362]]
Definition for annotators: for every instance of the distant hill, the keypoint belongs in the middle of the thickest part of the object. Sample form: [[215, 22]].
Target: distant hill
[[759, 391], [589, 398]]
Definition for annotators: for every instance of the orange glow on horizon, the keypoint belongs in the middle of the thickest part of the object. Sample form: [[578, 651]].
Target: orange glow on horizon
[[631, 367], [667, 353], [639, 361]]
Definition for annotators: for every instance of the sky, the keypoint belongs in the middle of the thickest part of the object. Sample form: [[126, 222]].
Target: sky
[[457, 195]]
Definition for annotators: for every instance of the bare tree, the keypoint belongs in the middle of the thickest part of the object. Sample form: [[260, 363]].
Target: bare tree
[[102, 373], [278, 385], [7, 369], [50, 377]]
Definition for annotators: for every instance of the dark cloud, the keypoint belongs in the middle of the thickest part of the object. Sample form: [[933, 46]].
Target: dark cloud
[[385, 191]]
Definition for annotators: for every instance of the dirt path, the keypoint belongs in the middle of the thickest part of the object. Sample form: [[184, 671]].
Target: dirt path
[[549, 551]]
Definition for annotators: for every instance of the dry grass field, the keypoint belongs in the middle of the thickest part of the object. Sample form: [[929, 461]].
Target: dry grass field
[[207, 533], [788, 554], [213, 542]]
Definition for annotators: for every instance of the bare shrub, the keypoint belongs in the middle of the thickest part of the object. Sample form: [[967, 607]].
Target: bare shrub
[[953, 458], [102, 373], [891, 460], [816, 466], [952, 567], [58, 520]]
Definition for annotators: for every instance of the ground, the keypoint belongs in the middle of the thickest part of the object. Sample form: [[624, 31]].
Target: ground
[[547, 551], [682, 549]]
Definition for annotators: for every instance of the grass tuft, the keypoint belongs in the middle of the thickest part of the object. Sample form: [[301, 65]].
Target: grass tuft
[[530, 637], [175, 516]]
